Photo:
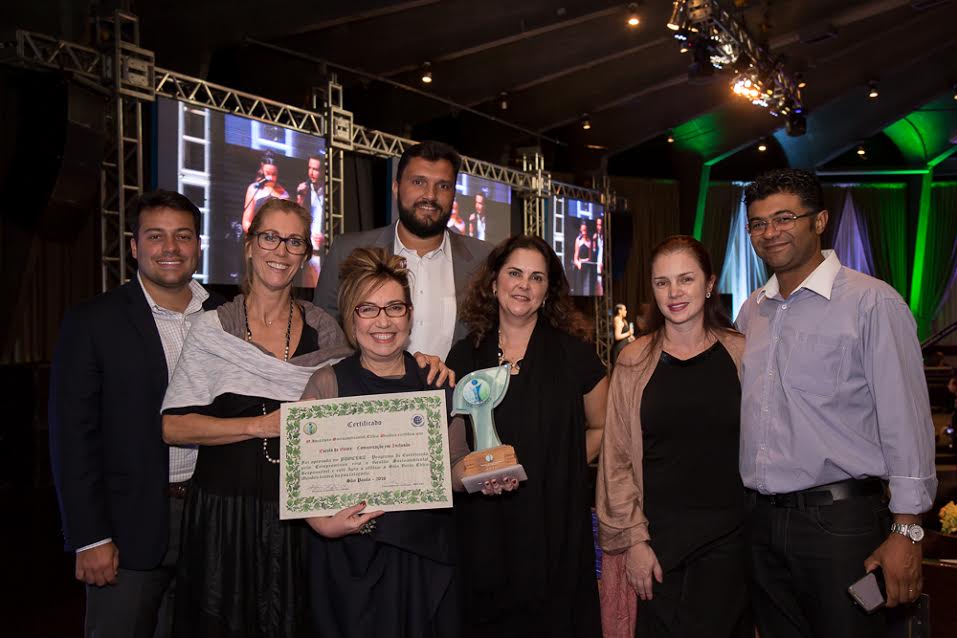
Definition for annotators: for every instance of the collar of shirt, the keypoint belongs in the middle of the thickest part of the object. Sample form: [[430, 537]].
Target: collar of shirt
[[200, 295], [820, 281], [399, 248]]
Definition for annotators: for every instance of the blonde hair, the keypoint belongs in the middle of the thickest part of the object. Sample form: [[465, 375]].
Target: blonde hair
[[363, 271], [274, 205]]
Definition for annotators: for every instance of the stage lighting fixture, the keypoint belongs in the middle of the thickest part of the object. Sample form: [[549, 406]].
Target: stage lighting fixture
[[955, 91], [796, 124], [677, 19], [719, 40], [633, 19], [762, 146], [671, 137], [503, 101], [701, 67], [586, 122], [861, 152], [801, 82], [427, 73], [872, 91]]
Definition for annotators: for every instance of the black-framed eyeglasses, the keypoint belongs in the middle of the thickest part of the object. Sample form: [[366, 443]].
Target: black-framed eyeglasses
[[394, 310], [782, 221], [268, 240]]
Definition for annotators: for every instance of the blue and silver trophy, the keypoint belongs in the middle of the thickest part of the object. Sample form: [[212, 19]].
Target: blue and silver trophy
[[476, 395]]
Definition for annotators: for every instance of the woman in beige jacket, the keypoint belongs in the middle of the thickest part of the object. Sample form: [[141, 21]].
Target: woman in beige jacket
[[669, 498]]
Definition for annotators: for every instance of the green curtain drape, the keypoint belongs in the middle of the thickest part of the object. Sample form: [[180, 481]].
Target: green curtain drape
[[883, 209], [723, 201], [656, 215], [940, 255]]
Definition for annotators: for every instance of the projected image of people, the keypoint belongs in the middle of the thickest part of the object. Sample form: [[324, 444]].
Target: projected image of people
[[230, 166], [456, 223], [478, 220], [311, 194], [578, 237], [266, 186], [584, 273]]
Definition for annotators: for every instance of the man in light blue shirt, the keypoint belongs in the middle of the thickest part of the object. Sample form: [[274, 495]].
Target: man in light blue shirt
[[834, 409]]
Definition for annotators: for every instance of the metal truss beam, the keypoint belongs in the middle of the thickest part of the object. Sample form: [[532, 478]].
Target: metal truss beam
[[208, 95], [42, 50], [604, 339], [561, 189], [533, 204], [381, 144]]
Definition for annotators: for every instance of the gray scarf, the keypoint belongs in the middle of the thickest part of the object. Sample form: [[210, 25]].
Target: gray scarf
[[216, 359]]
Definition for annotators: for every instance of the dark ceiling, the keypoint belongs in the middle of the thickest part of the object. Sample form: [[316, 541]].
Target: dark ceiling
[[558, 59]]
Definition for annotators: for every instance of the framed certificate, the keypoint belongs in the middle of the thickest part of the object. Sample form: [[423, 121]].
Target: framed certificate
[[389, 450]]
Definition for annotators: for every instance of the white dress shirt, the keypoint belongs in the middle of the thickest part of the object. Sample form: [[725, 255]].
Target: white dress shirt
[[433, 297]]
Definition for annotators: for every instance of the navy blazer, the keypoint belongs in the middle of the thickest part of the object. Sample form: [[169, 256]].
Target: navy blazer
[[110, 464]]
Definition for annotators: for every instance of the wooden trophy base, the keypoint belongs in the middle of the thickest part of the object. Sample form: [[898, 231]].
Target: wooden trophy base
[[494, 463]]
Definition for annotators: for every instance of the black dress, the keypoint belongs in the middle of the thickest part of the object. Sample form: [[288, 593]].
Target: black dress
[[398, 580], [694, 499], [527, 558], [241, 571]]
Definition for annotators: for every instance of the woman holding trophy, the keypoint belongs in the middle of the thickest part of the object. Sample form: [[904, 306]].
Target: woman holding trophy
[[526, 555]]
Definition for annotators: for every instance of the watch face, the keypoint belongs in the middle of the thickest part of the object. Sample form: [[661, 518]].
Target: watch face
[[916, 533]]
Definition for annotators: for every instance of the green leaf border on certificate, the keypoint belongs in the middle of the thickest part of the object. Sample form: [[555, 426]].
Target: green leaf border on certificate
[[431, 406]]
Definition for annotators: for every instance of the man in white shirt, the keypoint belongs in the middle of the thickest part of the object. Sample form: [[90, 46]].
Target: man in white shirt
[[442, 263], [120, 487]]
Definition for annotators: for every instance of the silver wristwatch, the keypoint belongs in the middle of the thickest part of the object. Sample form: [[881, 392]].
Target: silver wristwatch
[[913, 532]]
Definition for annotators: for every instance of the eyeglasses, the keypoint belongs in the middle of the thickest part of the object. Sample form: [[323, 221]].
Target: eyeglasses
[[270, 241], [394, 310], [783, 221]]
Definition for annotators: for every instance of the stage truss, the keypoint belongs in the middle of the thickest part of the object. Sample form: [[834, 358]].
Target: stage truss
[[128, 72]]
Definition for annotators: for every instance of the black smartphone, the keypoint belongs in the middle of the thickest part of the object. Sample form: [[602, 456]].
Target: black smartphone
[[869, 591]]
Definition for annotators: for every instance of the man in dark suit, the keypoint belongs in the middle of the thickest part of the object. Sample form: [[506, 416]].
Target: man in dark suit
[[441, 262], [120, 487]]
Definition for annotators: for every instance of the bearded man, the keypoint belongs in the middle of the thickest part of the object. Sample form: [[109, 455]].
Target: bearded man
[[442, 263]]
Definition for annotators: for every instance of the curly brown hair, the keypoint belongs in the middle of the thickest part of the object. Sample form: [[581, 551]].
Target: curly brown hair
[[480, 308]]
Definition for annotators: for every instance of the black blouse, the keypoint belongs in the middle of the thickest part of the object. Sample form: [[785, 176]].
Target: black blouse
[[690, 419]]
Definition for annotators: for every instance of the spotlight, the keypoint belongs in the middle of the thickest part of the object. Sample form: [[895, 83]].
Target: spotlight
[[677, 19], [586, 122], [684, 47], [872, 91], [762, 146], [503, 101], [801, 82], [671, 137], [427, 73], [633, 19], [955, 91], [861, 152]]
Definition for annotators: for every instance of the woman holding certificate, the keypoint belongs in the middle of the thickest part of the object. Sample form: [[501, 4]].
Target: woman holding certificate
[[526, 554], [669, 498], [389, 575], [241, 570]]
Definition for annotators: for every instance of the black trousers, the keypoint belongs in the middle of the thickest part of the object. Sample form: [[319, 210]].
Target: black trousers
[[803, 559], [140, 604], [706, 595]]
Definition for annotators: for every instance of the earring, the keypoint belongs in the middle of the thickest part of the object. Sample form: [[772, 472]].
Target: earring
[[707, 295]]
